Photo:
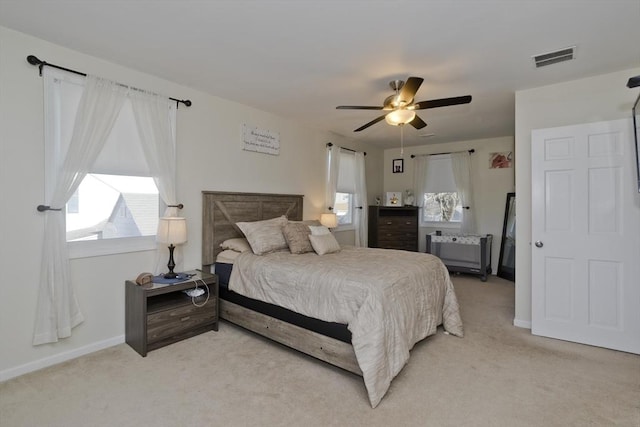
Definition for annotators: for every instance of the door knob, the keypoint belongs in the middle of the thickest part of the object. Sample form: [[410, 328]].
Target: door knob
[[539, 244]]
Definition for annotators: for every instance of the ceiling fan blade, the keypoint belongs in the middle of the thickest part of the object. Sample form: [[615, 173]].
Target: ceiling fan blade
[[357, 107], [444, 102], [418, 123], [410, 88], [372, 122]]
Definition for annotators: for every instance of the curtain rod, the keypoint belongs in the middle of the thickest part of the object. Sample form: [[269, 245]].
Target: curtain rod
[[436, 154], [330, 144], [33, 60]]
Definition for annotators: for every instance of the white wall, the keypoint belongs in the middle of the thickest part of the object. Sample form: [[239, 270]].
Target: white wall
[[209, 157], [593, 99], [490, 186]]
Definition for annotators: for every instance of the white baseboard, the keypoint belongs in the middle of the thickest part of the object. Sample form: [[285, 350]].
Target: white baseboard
[[36, 365], [522, 323]]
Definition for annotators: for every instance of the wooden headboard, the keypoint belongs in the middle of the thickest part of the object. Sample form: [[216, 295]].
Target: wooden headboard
[[221, 211]]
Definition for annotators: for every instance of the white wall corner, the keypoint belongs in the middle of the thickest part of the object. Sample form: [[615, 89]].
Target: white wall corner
[[526, 324]]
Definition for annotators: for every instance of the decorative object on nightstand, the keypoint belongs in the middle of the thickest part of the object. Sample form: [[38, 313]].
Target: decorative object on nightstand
[[159, 314], [172, 230], [329, 220]]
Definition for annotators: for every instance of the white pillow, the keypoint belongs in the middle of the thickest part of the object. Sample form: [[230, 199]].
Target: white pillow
[[227, 256], [324, 243], [319, 230], [265, 236], [238, 244]]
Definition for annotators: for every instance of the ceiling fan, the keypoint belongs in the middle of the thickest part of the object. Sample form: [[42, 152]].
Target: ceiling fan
[[401, 106]]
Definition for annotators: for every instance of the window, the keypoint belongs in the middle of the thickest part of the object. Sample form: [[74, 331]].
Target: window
[[442, 207], [116, 207], [343, 208], [441, 201], [346, 188], [73, 205]]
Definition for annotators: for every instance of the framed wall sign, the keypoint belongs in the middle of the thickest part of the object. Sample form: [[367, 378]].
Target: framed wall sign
[[398, 166], [260, 140]]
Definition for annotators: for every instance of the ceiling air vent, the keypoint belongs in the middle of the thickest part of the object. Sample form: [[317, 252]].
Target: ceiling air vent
[[561, 55]]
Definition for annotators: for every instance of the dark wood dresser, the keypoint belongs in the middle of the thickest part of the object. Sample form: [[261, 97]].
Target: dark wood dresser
[[393, 227]]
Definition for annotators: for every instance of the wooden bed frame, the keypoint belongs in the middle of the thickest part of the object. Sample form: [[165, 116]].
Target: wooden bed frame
[[220, 212]]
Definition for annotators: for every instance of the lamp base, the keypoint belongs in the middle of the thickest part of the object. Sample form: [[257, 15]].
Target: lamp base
[[171, 265]]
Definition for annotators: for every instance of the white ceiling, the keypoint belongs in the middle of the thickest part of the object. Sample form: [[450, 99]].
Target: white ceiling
[[300, 59]]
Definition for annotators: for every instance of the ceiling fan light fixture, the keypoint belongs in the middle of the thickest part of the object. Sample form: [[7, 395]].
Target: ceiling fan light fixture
[[400, 117]]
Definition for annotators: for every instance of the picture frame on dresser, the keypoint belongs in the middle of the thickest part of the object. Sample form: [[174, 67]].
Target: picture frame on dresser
[[394, 198]]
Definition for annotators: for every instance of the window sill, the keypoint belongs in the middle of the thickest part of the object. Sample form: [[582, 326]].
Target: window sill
[[93, 248]]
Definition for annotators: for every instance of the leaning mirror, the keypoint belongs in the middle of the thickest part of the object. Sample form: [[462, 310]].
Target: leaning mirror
[[507, 261]]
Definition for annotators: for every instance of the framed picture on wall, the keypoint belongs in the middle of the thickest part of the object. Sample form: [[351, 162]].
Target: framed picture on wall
[[398, 166]]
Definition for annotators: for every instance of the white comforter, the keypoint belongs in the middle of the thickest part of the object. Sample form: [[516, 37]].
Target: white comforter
[[389, 299]]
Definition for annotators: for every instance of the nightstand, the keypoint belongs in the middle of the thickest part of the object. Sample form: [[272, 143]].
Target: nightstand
[[157, 315]]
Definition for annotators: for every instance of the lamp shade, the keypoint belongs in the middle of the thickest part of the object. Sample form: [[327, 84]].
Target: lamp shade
[[400, 117], [329, 220], [172, 230]]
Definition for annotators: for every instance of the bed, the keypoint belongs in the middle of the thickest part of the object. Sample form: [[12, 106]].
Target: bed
[[363, 336]]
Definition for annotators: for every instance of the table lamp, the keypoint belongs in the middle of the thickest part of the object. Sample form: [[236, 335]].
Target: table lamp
[[329, 220], [172, 230]]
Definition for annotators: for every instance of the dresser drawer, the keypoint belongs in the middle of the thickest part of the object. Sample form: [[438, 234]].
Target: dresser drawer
[[399, 229], [397, 221], [167, 323], [407, 244]]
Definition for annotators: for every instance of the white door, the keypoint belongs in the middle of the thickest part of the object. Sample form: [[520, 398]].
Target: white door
[[586, 235]]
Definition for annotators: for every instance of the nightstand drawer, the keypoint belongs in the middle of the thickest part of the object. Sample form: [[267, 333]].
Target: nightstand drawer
[[167, 323]]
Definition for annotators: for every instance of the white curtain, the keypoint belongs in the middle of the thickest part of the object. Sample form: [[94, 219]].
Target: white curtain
[[333, 169], [360, 202], [461, 165], [420, 179], [57, 308], [154, 122]]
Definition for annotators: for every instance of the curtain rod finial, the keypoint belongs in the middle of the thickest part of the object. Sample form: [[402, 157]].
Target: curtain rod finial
[[33, 60]]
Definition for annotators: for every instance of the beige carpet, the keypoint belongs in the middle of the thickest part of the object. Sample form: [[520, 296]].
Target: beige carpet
[[497, 375]]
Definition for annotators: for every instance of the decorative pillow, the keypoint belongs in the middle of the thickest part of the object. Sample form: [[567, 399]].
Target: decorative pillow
[[314, 222], [227, 256], [297, 236], [238, 244], [265, 236], [319, 230], [324, 244]]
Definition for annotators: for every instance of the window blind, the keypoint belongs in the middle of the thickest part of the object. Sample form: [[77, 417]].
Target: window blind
[[440, 175]]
